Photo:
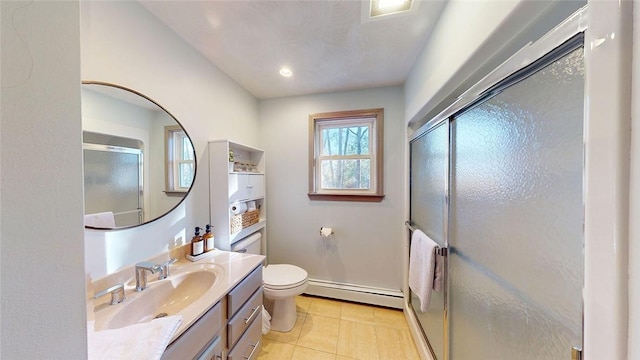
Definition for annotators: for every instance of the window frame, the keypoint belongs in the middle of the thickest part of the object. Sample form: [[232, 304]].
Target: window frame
[[173, 160], [376, 153]]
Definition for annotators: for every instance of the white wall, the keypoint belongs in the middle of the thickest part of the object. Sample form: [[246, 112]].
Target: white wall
[[368, 243], [123, 44], [471, 39], [42, 263], [634, 211]]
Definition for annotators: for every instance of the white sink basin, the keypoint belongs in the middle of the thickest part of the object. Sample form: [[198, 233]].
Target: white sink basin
[[171, 296]]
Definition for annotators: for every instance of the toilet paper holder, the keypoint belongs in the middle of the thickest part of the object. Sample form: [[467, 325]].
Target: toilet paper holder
[[323, 231]]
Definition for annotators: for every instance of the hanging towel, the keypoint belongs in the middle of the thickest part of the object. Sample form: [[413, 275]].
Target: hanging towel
[[438, 274], [101, 220], [421, 267], [145, 341]]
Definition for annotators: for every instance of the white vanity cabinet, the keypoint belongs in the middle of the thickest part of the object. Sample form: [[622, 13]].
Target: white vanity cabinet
[[229, 186]]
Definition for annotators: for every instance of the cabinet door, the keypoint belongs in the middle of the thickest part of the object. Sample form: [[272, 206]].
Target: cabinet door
[[255, 186], [213, 351], [238, 186], [245, 187]]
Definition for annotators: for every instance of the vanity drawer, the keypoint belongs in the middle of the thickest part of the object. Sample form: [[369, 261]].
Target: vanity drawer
[[191, 343], [248, 348], [244, 317], [241, 293]]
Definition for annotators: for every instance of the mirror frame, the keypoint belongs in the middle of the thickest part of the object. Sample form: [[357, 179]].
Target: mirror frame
[[195, 158]]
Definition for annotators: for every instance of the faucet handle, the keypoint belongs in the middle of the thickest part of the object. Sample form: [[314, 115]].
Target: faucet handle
[[116, 291], [164, 273]]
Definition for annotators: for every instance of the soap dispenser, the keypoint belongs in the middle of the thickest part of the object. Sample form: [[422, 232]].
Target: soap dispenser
[[208, 239], [197, 243]]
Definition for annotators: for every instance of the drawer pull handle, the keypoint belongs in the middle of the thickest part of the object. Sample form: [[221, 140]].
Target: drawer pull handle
[[255, 311], [252, 351]]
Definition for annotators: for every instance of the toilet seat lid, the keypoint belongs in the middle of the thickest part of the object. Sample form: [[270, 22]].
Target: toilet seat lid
[[283, 275]]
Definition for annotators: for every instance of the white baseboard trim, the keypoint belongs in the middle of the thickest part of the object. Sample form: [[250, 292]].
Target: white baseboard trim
[[416, 332], [356, 293]]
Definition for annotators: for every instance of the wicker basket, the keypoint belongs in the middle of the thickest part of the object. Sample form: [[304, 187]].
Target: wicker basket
[[241, 221]]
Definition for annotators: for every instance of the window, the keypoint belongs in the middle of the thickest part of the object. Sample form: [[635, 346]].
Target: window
[[345, 155], [180, 164]]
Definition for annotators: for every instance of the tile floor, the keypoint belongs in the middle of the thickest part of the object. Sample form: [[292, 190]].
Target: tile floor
[[337, 330]]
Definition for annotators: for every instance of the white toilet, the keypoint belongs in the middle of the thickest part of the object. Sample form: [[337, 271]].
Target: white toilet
[[282, 283]]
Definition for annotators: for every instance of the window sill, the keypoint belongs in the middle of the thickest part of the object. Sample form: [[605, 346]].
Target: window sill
[[175, 193], [346, 197]]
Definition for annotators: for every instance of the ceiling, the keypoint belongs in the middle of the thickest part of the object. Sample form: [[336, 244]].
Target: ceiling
[[329, 45]]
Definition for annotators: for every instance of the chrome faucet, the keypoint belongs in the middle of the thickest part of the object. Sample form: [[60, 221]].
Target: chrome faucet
[[164, 269], [141, 273], [116, 291]]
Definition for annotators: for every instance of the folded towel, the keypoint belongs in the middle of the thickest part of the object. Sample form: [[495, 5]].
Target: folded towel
[[136, 342], [101, 220], [421, 267]]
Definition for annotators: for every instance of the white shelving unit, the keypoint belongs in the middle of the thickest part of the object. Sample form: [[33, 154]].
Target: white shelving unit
[[228, 187]]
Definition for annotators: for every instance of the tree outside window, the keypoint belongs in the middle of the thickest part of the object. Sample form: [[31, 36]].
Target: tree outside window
[[346, 155]]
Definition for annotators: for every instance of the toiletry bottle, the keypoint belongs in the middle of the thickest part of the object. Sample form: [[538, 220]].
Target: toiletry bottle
[[208, 239], [197, 244]]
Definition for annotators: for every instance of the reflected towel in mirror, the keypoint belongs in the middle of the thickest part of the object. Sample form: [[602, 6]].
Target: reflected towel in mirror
[[101, 220]]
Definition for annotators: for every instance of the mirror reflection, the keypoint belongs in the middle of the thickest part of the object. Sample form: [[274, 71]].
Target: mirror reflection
[[139, 163]]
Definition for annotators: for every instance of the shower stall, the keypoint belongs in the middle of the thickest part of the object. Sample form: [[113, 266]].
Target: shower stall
[[113, 177], [497, 180]]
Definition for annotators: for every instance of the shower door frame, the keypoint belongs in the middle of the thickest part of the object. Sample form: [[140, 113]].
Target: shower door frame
[[607, 26], [424, 131]]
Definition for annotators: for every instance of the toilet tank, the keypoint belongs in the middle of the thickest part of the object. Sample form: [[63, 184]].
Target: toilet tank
[[249, 245]]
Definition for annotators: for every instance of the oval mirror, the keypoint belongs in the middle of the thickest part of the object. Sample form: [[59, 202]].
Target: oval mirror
[[139, 162]]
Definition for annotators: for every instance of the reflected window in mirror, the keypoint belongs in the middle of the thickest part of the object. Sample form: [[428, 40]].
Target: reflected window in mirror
[[179, 160], [122, 120]]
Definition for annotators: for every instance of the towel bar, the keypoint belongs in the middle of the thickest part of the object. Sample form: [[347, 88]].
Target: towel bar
[[441, 251]]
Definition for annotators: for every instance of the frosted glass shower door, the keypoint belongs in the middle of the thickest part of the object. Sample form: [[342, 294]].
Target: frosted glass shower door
[[429, 167], [516, 215], [113, 182]]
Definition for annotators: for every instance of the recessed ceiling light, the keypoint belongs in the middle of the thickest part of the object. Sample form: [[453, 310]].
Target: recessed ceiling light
[[383, 4], [387, 7], [286, 72]]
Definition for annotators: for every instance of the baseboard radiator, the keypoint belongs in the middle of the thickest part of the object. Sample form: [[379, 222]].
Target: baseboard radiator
[[357, 293]]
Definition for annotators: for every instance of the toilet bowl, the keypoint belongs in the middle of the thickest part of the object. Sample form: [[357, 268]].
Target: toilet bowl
[[282, 283]]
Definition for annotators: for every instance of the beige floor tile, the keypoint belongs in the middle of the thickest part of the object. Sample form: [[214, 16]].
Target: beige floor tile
[[357, 340], [319, 333], [302, 303], [331, 329], [358, 312], [303, 353], [390, 317], [326, 307], [290, 337], [274, 350], [395, 344]]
